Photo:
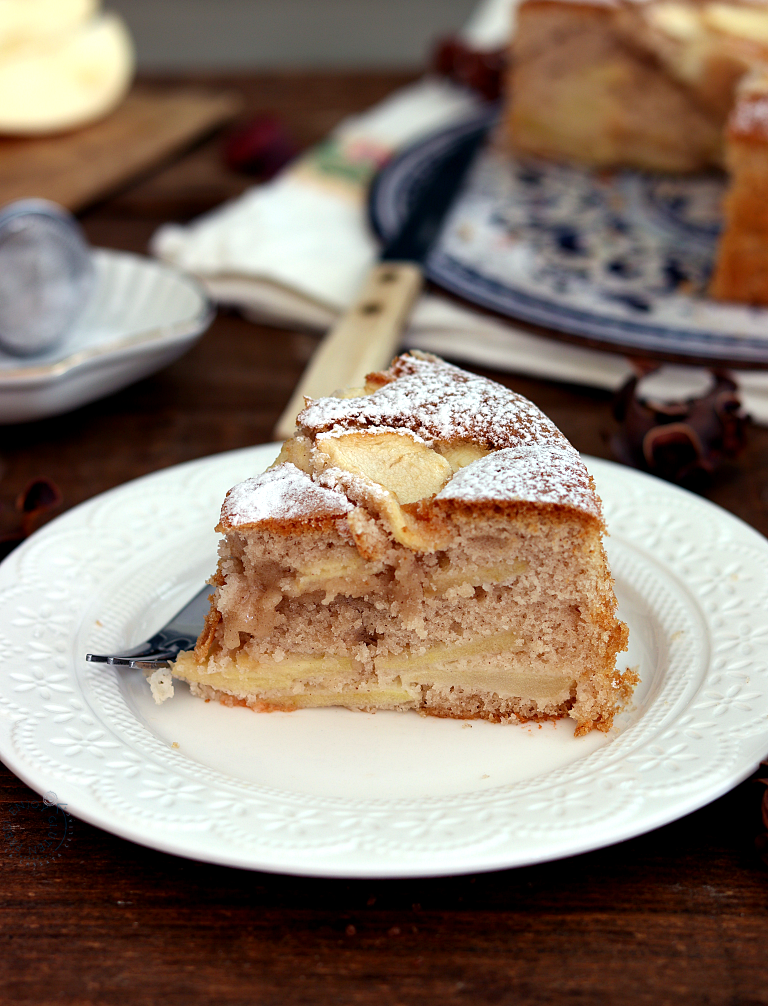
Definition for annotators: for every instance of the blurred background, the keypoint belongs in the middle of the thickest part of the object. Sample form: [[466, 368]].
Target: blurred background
[[296, 34]]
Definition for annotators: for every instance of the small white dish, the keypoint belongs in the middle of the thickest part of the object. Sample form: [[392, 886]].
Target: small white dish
[[141, 316], [328, 792]]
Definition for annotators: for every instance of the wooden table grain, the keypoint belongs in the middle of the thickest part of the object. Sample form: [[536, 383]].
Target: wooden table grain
[[678, 916]]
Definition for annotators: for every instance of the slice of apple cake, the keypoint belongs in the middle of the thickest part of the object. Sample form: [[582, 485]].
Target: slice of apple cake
[[429, 542]]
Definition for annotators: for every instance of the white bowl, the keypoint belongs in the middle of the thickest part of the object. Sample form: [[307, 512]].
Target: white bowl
[[142, 315]]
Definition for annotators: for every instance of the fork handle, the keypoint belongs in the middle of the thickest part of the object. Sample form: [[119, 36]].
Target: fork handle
[[160, 650], [364, 339]]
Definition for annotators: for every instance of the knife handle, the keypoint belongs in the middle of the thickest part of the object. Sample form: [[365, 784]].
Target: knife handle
[[364, 339]]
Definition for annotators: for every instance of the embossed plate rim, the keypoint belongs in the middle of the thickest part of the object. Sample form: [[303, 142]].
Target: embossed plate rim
[[45, 563]]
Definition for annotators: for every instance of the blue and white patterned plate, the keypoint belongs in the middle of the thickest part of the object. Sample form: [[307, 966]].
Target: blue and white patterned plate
[[620, 259]]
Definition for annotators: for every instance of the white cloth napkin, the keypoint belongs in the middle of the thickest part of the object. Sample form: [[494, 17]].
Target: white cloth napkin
[[294, 251]]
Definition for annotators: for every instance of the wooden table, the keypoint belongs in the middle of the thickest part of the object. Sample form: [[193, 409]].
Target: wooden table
[[676, 916]]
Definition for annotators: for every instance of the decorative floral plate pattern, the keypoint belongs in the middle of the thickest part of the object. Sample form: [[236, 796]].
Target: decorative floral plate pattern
[[621, 258], [336, 793]]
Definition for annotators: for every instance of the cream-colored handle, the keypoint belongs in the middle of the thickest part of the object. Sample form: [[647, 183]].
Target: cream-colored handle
[[363, 340]]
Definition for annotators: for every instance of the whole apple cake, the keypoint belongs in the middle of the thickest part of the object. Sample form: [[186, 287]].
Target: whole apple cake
[[659, 85]]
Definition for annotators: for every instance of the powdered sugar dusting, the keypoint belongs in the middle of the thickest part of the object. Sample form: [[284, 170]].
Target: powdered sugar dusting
[[284, 493], [437, 401], [355, 487], [401, 431], [531, 460], [555, 474], [750, 117]]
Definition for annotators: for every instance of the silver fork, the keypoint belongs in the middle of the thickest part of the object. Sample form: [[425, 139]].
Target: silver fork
[[159, 650]]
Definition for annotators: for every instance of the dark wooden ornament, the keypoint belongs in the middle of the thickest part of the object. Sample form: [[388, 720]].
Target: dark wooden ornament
[[684, 442]]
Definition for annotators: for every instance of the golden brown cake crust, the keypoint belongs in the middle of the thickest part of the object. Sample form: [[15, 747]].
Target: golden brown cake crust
[[583, 89], [437, 401]]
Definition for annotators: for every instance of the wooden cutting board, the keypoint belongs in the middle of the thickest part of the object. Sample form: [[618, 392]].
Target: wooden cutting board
[[75, 169]]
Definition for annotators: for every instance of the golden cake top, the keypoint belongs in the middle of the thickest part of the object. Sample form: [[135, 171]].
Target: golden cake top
[[280, 494], [423, 433], [435, 401], [706, 44]]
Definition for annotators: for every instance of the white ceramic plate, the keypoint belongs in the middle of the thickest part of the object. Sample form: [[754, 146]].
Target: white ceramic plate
[[142, 315], [338, 793]]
